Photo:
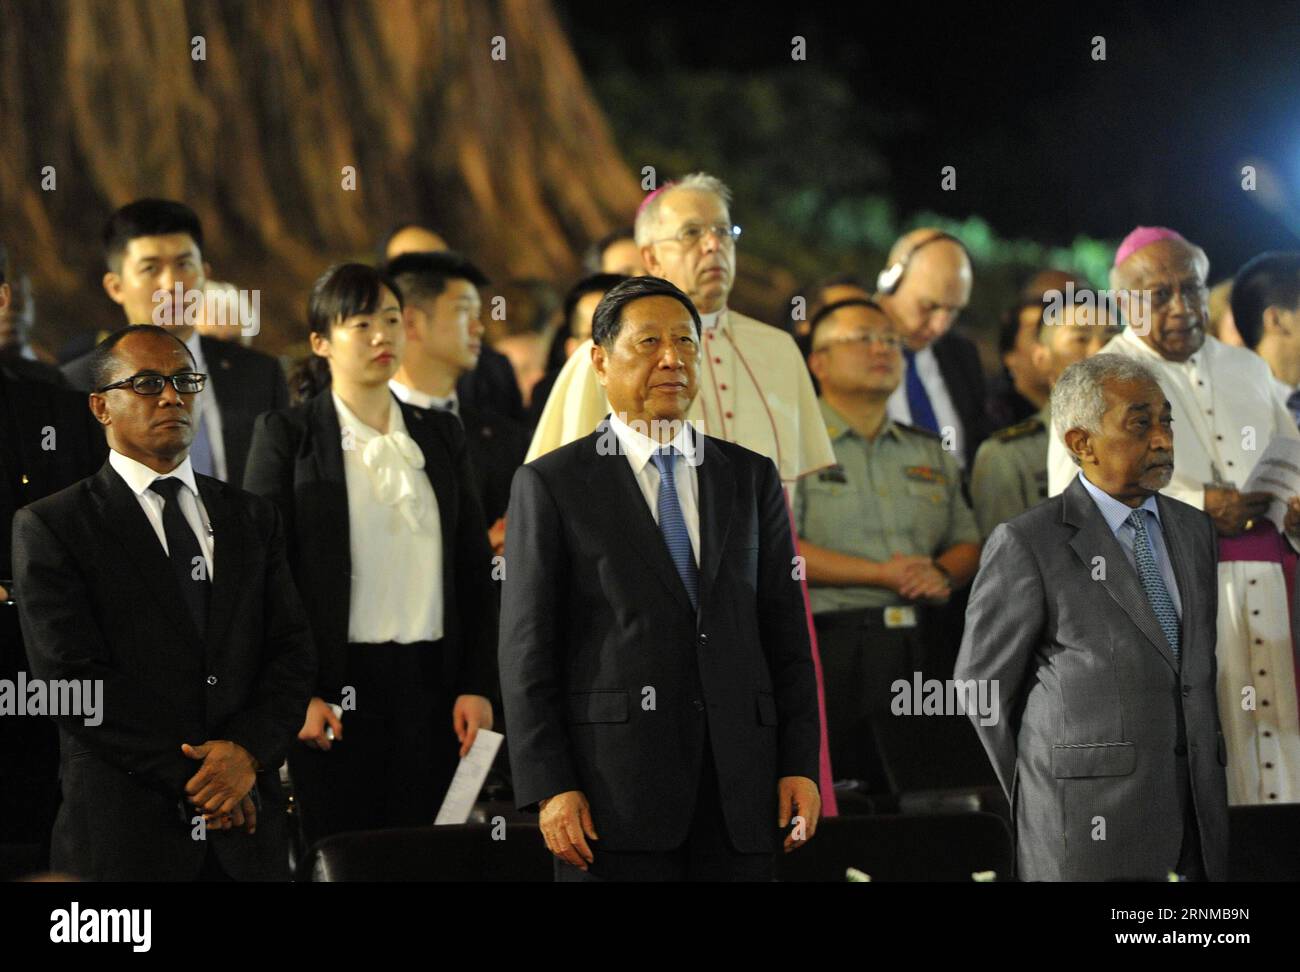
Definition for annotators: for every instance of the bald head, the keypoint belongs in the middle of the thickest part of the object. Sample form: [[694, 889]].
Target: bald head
[[934, 288], [1163, 295], [414, 239]]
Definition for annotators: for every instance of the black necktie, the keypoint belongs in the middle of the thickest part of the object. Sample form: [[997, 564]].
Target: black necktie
[[183, 547]]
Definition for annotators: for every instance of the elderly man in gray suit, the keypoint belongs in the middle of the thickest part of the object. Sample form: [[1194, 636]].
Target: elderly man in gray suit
[[1093, 615]]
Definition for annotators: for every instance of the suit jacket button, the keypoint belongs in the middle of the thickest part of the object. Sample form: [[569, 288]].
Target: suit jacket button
[[1187, 690], [704, 640], [699, 706], [212, 680]]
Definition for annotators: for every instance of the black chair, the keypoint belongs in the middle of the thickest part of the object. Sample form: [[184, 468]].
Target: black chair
[[905, 847], [1264, 843], [505, 851]]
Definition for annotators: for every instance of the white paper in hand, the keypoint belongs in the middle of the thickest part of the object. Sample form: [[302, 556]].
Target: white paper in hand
[[1277, 472], [468, 781]]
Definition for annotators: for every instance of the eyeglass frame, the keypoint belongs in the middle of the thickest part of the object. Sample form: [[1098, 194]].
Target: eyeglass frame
[[865, 338], [202, 377], [731, 235]]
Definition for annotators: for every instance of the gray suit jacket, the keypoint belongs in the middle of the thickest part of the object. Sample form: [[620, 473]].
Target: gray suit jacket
[[1102, 735]]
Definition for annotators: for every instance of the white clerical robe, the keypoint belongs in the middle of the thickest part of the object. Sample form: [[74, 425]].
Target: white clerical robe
[[754, 390], [1225, 412]]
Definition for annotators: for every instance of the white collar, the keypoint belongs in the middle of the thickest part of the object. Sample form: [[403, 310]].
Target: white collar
[[639, 447], [360, 429], [140, 477], [1202, 358], [413, 396], [710, 321]]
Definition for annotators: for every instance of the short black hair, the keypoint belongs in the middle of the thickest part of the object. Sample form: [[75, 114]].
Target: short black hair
[[424, 276], [1010, 329], [593, 283], [825, 312], [148, 217], [103, 358], [346, 289], [608, 319], [593, 260], [1268, 280]]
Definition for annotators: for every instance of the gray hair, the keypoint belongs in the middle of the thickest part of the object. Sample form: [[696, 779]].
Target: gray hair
[[1079, 397], [647, 221]]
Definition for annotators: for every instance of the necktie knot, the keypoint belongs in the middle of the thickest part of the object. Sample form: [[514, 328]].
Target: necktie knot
[[665, 461], [168, 488]]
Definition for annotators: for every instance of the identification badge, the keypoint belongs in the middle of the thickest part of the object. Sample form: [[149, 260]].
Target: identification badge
[[900, 616]]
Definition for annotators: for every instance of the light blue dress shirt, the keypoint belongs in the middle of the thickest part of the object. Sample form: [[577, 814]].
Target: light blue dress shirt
[[1116, 515]]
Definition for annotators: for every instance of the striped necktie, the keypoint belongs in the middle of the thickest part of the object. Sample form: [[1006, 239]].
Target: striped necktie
[[1149, 571], [673, 525]]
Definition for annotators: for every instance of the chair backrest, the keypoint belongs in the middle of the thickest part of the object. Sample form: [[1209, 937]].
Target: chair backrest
[[468, 852], [905, 847]]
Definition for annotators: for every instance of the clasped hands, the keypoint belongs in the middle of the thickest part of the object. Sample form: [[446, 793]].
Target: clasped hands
[[222, 788], [916, 578]]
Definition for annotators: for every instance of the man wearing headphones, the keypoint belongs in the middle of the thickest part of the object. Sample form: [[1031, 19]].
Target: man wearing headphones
[[924, 287]]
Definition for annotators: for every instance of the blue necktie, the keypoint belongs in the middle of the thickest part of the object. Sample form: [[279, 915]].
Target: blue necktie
[[918, 402], [201, 447], [673, 526], [1149, 571]]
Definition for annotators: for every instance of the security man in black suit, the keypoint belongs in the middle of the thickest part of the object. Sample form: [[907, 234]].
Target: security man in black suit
[[172, 591], [655, 662], [153, 247]]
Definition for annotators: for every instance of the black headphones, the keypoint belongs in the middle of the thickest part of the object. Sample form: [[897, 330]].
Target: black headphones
[[888, 280]]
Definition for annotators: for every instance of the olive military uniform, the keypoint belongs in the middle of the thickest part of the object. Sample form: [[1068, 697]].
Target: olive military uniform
[[1010, 473], [899, 493]]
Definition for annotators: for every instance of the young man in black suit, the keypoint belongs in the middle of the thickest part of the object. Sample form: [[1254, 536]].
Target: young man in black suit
[[655, 663], [172, 591], [151, 247]]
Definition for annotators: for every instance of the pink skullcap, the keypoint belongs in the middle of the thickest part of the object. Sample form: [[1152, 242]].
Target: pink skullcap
[[1143, 237], [650, 195]]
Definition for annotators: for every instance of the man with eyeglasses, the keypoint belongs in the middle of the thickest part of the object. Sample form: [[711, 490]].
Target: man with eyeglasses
[[1225, 413], [172, 592], [886, 534]]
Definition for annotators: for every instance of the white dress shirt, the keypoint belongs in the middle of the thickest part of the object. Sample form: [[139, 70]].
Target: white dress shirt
[[140, 477], [1116, 515], [945, 412], [394, 534], [639, 448], [413, 396], [206, 410]]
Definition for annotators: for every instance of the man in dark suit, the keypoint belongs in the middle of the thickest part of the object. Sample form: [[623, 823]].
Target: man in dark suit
[[48, 440], [172, 591], [924, 288], [154, 250], [441, 310], [1093, 619], [655, 663]]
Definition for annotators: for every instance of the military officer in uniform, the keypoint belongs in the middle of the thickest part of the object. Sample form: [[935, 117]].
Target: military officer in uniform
[[886, 534], [1010, 472]]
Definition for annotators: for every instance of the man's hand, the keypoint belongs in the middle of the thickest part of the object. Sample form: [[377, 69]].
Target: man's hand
[[1231, 509], [243, 817], [497, 535], [227, 774], [564, 820], [925, 582], [470, 714], [1291, 523], [320, 716], [896, 572], [798, 796]]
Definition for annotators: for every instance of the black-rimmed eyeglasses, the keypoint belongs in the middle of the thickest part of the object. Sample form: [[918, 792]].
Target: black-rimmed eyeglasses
[[186, 383]]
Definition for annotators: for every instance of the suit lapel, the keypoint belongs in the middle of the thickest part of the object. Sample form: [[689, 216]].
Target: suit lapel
[[227, 554], [1120, 579], [437, 466], [1178, 559], [120, 510], [717, 484], [615, 491]]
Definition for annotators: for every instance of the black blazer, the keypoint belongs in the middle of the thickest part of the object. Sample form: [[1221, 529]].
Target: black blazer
[[246, 383], [497, 446], [959, 364], [611, 681], [297, 460], [98, 600]]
